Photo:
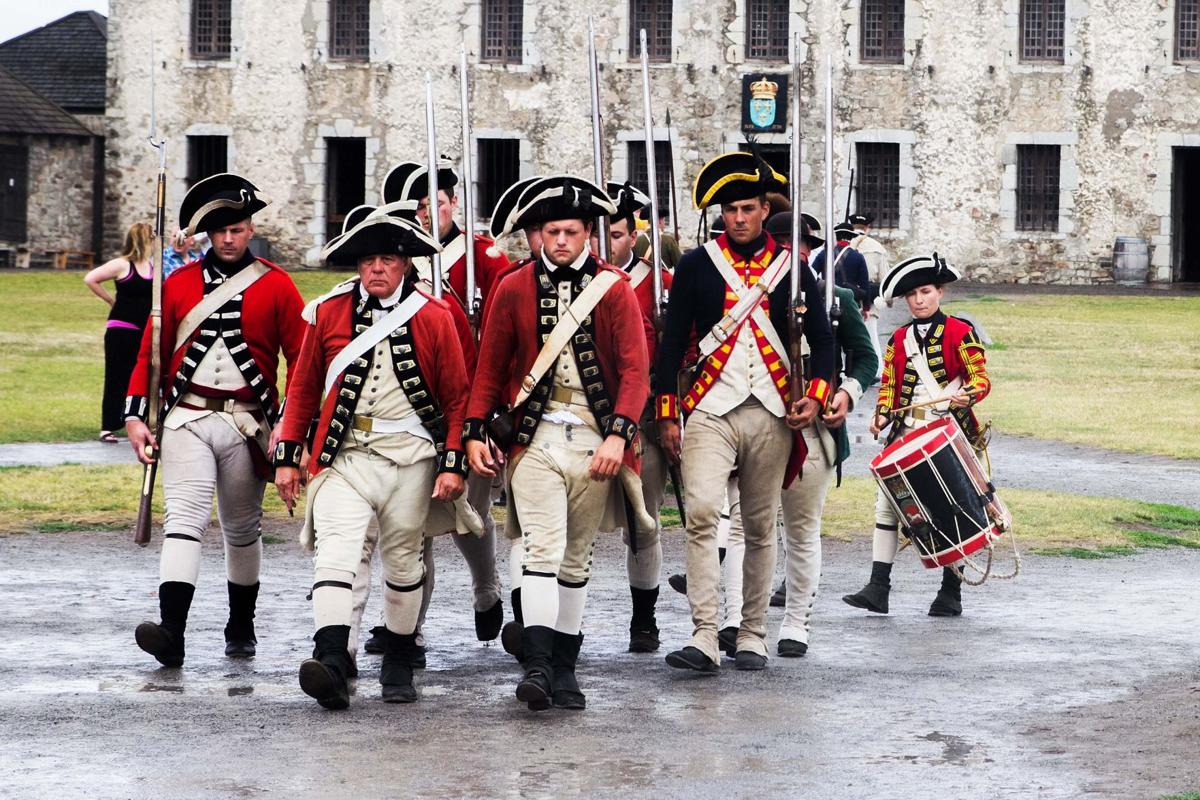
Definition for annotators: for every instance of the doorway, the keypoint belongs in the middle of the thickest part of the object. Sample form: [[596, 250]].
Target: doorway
[[1185, 214], [14, 192]]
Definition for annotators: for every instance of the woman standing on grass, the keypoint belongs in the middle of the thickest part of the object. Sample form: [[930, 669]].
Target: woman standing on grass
[[132, 272]]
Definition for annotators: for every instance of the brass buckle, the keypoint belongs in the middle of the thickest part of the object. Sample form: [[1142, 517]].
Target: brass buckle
[[364, 424]]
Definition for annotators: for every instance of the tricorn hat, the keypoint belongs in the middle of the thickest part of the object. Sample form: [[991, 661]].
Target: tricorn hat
[[845, 230], [219, 201], [409, 180], [378, 231], [628, 199], [562, 197], [734, 176], [781, 225], [504, 215], [862, 219], [913, 272]]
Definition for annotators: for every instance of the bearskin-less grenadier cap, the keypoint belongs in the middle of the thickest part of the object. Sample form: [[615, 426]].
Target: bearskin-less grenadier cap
[[219, 201], [913, 272], [409, 180], [504, 215], [731, 177], [562, 197], [377, 231], [628, 199]]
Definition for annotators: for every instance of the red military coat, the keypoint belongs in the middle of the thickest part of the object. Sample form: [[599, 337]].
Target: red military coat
[[490, 265], [642, 281]]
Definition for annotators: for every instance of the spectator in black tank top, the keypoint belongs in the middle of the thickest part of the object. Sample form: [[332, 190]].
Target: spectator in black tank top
[[132, 273]]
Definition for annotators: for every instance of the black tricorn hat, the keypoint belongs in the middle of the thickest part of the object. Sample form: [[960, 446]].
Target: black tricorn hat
[[628, 199], [504, 215], [734, 176], [378, 232], [781, 225], [409, 180], [562, 197], [861, 219], [845, 230], [219, 201], [913, 272]]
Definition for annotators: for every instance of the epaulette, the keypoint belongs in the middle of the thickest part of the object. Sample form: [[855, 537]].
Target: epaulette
[[310, 311]]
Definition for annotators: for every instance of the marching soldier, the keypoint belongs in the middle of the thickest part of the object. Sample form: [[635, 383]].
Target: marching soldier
[[225, 319], [645, 564], [388, 361], [739, 416], [849, 267], [564, 348], [935, 355]]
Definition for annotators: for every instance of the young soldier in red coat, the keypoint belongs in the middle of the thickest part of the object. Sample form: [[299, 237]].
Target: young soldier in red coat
[[219, 403], [387, 361], [574, 420]]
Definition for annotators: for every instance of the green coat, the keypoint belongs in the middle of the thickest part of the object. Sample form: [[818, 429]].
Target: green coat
[[854, 341]]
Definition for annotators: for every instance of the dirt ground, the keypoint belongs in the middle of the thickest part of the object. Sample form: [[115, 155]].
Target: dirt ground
[[1078, 680]]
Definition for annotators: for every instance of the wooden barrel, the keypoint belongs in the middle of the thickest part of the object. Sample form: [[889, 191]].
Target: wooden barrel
[[1131, 260]]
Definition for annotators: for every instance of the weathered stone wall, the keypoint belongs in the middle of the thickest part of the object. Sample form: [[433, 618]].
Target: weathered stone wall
[[959, 106], [59, 210]]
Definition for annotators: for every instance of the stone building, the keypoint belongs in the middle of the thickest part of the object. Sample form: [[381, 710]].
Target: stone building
[[1018, 137]]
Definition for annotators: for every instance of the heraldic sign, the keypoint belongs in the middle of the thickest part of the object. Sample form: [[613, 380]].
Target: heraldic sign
[[764, 103]]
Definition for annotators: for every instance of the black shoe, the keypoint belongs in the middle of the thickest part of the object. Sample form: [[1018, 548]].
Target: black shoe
[[564, 687], [535, 689], [748, 660], [643, 627], [678, 583], [324, 676], [487, 623], [240, 641], [874, 596], [779, 599], [644, 641], [727, 641], [161, 643], [948, 602], [396, 671], [790, 648], [510, 639], [501, 500], [374, 643], [691, 658]]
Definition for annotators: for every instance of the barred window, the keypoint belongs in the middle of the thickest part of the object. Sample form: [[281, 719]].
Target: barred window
[[350, 29], [767, 29], [1187, 30], [345, 180], [499, 168], [206, 156], [655, 17], [1042, 25], [638, 171], [878, 176], [211, 28], [502, 31], [1037, 187], [779, 156], [882, 32]]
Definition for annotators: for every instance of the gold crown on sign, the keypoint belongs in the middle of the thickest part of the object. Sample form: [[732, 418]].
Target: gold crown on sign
[[764, 89]]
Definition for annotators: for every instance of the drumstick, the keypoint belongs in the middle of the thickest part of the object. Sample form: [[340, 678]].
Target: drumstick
[[933, 402]]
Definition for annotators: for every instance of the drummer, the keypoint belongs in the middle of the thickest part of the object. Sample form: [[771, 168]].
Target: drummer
[[933, 356]]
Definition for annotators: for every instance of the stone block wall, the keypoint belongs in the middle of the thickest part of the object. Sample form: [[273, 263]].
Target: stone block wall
[[59, 209]]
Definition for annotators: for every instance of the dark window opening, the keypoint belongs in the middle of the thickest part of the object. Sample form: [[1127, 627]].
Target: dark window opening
[[206, 156], [655, 17], [14, 192], [638, 173], [767, 30], [345, 180], [211, 28], [779, 156], [1037, 187], [1042, 26], [499, 168], [350, 30], [878, 182], [1185, 214], [502, 30], [882, 36], [1187, 30]]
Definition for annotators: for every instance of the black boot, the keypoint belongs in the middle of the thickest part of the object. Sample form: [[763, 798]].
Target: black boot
[[240, 641], [164, 640], [948, 602], [396, 672], [487, 623], [374, 642], [727, 641], [874, 596], [566, 692], [643, 627], [324, 676], [678, 582], [512, 634], [779, 599], [537, 641]]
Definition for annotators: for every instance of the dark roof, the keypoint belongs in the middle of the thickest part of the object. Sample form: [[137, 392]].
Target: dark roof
[[26, 111], [65, 60]]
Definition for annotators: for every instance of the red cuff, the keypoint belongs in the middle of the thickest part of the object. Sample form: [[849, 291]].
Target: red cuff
[[666, 406], [818, 389]]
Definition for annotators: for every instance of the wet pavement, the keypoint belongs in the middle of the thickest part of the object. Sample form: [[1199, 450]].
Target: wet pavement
[[1078, 680], [52, 454]]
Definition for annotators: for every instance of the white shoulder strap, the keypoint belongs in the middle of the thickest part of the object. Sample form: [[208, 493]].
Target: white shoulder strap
[[310, 311], [748, 299], [639, 273], [372, 336], [217, 298], [917, 356], [567, 324]]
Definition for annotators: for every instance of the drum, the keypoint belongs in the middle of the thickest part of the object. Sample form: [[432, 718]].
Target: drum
[[947, 506]]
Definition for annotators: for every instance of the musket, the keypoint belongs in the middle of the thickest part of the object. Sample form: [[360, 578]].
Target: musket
[[474, 296], [796, 299], [832, 304], [141, 533], [849, 194], [660, 294], [432, 186], [597, 152], [674, 206]]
